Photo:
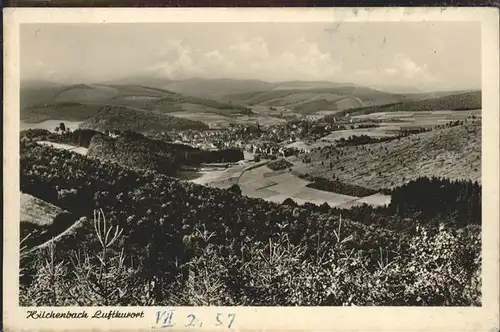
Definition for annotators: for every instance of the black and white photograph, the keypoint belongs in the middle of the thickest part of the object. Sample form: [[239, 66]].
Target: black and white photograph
[[272, 164]]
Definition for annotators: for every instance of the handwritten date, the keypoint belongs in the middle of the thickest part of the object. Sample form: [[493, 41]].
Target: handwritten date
[[167, 318]]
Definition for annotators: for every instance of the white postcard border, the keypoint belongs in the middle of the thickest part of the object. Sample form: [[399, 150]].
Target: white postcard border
[[483, 318]]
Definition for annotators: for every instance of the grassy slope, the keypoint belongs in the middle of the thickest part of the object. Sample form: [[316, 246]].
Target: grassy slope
[[312, 106], [453, 153], [37, 211]]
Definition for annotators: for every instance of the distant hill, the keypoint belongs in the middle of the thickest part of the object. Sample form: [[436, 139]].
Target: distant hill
[[460, 101], [79, 102], [214, 88], [226, 97], [126, 118], [332, 99], [337, 98], [224, 88], [453, 153], [306, 85], [64, 111]]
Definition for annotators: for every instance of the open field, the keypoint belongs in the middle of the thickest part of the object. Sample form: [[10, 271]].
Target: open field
[[277, 186], [259, 181], [78, 149], [377, 199]]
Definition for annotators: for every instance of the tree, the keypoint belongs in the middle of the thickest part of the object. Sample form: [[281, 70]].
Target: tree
[[62, 126], [324, 207], [290, 202], [235, 189]]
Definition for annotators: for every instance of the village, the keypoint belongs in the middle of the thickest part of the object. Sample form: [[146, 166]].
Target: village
[[265, 142]]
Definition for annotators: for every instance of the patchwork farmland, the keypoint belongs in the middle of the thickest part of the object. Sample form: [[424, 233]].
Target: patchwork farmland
[[277, 186]]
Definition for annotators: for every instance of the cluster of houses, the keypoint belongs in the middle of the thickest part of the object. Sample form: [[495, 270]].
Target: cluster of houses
[[278, 140]]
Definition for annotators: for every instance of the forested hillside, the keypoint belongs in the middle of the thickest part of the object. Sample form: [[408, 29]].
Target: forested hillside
[[457, 102], [171, 236], [126, 118], [453, 153], [134, 150]]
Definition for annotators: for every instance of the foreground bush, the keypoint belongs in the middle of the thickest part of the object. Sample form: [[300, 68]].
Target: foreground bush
[[440, 268]]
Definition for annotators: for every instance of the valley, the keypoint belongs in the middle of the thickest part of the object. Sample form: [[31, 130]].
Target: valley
[[327, 142]]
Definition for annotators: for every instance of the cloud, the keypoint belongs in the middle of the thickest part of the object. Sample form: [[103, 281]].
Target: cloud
[[246, 58], [409, 69], [176, 61], [390, 71], [255, 48], [48, 73], [403, 71]]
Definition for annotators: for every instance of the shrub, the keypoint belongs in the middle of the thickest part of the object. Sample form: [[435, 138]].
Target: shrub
[[235, 189]]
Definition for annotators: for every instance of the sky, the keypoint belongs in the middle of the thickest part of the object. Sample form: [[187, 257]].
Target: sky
[[422, 55]]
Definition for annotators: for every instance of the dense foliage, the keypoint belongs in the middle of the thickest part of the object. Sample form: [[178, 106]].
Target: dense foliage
[[134, 150], [354, 140], [178, 243], [127, 118], [278, 165], [79, 137], [423, 201], [336, 186], [458, 201]]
